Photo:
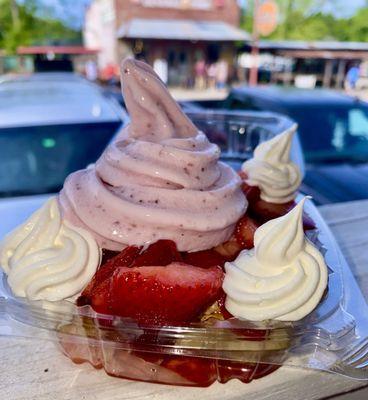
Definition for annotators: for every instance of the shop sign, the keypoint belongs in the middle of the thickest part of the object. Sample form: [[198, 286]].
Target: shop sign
[[266, 17]]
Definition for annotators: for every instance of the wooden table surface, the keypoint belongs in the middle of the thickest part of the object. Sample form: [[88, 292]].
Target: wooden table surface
[[33, 370]]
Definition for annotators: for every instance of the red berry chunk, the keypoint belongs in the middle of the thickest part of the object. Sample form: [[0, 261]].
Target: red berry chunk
[[244, 232], [99, 286], [200, 371], [252, 193], [177, 293], [162, 252], [264, 211], [154, 286], [204, 259]]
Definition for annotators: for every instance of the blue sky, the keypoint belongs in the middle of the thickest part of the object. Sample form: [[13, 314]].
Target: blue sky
[[72, 11], [344, 7], [338, 7]]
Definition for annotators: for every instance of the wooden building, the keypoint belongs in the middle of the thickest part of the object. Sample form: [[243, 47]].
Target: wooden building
[[327, 62], [177, 32]]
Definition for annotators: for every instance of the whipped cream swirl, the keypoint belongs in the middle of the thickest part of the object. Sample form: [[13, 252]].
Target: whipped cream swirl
[[160, 179], [271, 170], [47, 258], [282, 278]]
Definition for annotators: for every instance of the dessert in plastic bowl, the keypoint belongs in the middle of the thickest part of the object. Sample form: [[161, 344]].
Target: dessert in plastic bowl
[[162, 264]]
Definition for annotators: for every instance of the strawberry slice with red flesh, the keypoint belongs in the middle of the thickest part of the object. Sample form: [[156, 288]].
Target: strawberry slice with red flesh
[[244, 232], [199, 371], [162, 252], [158, 295], [99, 284], [204, 258], [252, 193], [264, 212]]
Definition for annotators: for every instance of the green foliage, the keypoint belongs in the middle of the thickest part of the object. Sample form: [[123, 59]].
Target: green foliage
[[21, 25], [303, 20]]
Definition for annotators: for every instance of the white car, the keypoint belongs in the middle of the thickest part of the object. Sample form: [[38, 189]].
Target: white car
[[51, 124]]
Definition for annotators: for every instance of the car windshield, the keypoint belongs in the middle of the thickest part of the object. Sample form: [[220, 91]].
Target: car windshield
[[36, 160], [333, 134]]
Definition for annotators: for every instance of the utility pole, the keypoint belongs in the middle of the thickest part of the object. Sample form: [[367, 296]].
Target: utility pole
[[253, 76]]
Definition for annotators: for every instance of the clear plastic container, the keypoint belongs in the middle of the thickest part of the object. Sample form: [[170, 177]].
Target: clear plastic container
[[334, 337], [199, 354]]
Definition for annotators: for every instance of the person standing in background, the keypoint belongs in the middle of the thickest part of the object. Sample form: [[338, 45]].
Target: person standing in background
[[91, 70], [200, 74], [352, 77], [222, 74], [211, 75]]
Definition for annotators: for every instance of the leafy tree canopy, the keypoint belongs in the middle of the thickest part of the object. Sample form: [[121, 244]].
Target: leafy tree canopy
[[303, 20], [22, 25]]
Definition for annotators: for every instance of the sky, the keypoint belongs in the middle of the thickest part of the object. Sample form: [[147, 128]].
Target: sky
[[344, 8], [72, 11]]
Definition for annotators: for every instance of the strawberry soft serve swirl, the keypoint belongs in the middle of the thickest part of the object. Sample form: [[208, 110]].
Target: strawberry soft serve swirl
[[160, 179]]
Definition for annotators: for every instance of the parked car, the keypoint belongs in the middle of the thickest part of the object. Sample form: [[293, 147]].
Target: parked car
[[115, 92], [236, 133], [51, 125], [333, 130]]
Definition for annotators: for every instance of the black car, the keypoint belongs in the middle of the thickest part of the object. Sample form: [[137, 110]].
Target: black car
[[333, 130]]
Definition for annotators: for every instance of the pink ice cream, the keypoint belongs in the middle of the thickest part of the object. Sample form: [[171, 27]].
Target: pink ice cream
[[160, 179]]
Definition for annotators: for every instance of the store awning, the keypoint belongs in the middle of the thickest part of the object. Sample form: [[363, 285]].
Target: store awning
[[210, 31], [34, 50]]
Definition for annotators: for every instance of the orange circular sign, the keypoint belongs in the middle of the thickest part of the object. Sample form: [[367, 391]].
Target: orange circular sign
[[266, 17]]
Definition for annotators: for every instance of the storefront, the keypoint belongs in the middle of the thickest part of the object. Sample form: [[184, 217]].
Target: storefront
[[171, 35], [54, 58], [308, 64]]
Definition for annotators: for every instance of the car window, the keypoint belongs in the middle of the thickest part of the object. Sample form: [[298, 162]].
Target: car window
[[244, 103], [36, 160], [336, 133], [358, 123]]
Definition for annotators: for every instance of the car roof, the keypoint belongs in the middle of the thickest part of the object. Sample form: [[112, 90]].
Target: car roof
[[54, 99], [43, 77], [291, 96]]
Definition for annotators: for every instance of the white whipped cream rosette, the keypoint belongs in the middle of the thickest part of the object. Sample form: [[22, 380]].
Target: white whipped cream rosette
[[283, 278], [271, 169], [47, 258]]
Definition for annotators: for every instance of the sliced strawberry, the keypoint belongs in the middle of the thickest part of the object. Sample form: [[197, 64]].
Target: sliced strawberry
[[244, 232], [200, 371], [98, 285], [229, 250], [177, 293], [252, 193], [204, 259], [107, 255], [162, 252], [264, 211], [245, 372]]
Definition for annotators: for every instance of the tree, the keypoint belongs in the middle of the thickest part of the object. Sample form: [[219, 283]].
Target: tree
[[304, 20], [21, 25], [358, 27]]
